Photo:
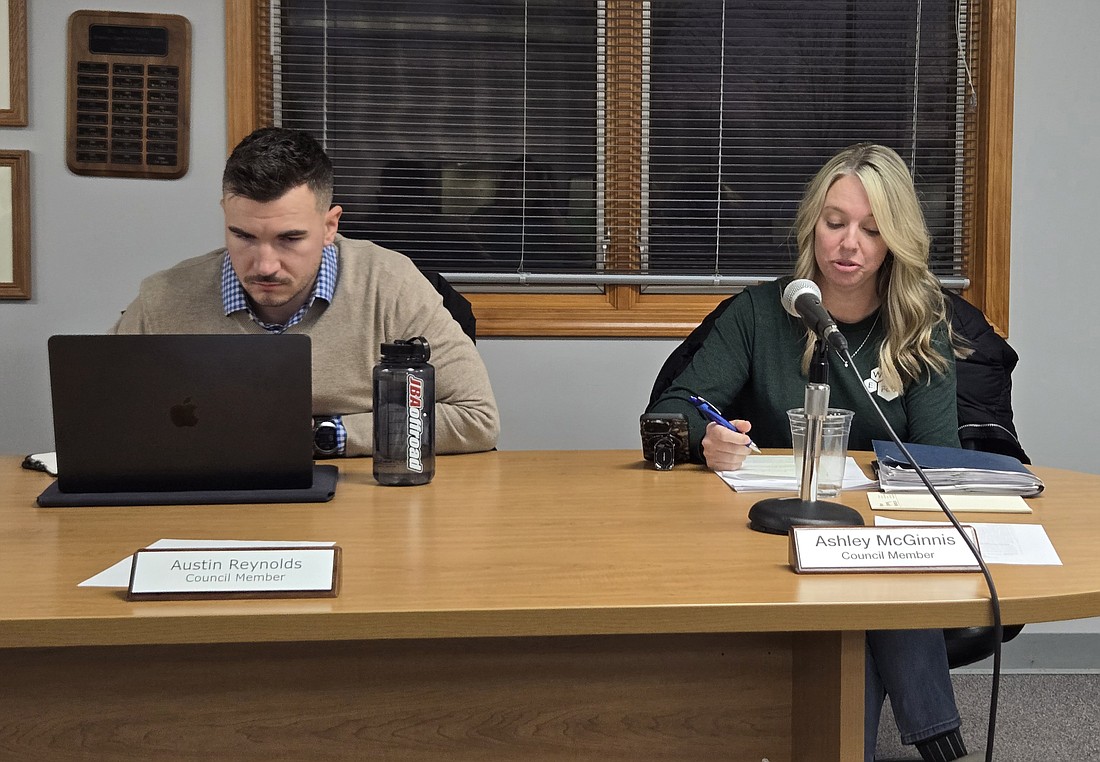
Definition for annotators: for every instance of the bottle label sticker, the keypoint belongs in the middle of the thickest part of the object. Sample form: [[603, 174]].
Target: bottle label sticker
[[416, 423]]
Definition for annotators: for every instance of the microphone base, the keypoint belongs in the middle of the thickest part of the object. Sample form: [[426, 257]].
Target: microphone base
[[776, 515]]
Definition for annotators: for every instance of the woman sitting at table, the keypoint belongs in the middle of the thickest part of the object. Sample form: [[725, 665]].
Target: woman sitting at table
[[862, 238]]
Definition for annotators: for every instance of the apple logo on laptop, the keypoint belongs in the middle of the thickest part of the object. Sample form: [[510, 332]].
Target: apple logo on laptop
[[184, 414]]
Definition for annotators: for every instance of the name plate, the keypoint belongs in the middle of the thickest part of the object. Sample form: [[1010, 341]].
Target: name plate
[[189, 573], [881, 549]]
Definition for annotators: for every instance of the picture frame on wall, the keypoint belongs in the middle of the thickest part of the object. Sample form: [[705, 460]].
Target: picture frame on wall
[[13, 63], [15, 225]]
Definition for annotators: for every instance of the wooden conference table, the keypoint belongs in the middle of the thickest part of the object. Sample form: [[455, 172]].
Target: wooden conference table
[[523, 606]]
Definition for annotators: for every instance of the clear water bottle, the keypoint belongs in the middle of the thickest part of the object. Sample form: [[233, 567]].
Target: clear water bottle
[[404, 414]]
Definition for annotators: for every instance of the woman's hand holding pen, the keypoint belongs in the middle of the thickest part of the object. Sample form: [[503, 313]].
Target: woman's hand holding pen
[[725, 449], [722, 451]]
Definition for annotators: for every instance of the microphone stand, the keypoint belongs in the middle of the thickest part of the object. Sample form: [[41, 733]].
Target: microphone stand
[[776, 515]]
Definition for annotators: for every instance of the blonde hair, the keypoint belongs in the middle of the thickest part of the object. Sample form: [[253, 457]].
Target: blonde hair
[[912, 303]]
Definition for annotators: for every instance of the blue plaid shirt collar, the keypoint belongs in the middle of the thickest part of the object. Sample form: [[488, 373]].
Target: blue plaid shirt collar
[[234, 298]]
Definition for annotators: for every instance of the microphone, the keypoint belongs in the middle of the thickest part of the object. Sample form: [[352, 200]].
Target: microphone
[[802, 298]]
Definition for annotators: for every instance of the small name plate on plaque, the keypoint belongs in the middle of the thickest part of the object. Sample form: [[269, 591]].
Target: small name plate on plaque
[[189, 573], [881, 549]]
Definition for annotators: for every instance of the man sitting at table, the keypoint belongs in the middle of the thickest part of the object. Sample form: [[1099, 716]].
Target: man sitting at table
[[284, 268]]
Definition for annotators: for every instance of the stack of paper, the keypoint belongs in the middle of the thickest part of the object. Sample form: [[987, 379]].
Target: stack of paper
[[776, 473], [953, 469]]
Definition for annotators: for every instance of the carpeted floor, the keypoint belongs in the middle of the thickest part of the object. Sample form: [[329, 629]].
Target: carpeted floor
[[1040, 718]]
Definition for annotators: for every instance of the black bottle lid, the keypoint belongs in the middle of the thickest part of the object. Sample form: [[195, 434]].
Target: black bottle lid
[[407, 350]]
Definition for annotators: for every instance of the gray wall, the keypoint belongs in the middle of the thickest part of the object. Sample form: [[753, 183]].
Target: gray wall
[[1055, 268], [93, 239], [1055, 316]]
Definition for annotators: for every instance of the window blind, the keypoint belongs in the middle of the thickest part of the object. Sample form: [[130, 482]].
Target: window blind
[[463, 133], [651, 140], [748, 100]]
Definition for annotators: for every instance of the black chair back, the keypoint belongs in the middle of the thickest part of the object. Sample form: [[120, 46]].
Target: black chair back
[[457, 304]]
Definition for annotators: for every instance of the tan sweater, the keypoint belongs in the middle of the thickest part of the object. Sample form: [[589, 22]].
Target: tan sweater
[[380, 297]]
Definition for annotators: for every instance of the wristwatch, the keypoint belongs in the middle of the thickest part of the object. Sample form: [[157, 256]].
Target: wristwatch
[[325, 443]]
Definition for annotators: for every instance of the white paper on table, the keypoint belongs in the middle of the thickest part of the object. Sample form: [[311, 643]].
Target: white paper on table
[[119, 574], [1022, 544], [776, 473], [915, 501], [45, 460]]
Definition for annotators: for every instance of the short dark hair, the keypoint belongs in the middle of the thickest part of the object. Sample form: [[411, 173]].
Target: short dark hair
[[273, 160]]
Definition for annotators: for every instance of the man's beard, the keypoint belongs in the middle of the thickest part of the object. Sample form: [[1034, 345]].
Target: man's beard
[[272, 299]]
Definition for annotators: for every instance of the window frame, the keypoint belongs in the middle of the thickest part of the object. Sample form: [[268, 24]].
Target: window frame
[[627, 310]]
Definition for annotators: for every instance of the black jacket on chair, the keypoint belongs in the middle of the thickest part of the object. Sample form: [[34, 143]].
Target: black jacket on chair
[[984, 383]]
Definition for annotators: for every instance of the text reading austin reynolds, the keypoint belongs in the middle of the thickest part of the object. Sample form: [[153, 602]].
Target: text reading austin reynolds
[[238, 570]]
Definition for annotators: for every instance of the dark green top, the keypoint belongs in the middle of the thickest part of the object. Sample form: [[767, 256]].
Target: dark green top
[[749, 367]]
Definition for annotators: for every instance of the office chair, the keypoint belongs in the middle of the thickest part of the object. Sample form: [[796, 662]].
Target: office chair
[[457, 304], [984, 393]]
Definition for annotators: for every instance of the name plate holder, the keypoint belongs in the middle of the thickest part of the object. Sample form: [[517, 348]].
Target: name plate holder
[[166, 574], [899, 548]]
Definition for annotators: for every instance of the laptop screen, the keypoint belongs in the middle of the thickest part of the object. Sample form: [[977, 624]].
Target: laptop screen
[[182, 412]]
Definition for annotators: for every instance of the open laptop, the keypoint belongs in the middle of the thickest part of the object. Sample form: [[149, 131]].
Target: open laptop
[[175, 419]]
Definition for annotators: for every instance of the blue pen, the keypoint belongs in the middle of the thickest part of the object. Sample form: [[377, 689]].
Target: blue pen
[[711, 412]]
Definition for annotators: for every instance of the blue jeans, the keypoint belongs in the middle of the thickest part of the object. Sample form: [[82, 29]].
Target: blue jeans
[[909, 666]]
